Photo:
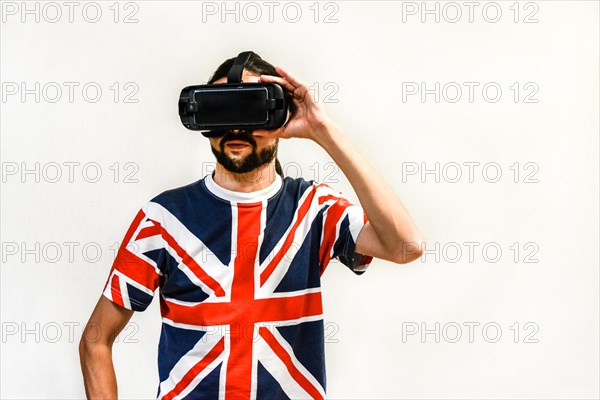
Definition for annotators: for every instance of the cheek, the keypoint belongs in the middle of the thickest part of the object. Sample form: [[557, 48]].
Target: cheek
[[266, 135], [265, 141], [258, 134]]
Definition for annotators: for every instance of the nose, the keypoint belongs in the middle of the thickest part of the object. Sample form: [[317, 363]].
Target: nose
[[236, 131], [238, 134]]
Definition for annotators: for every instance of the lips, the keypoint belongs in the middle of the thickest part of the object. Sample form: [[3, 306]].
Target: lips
[[237, 144]]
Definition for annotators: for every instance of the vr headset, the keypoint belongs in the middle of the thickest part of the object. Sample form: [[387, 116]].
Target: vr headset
[[214, 109]]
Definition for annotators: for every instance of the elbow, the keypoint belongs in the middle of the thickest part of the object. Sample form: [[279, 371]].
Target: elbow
[[90, 345], [83, 348], [409, 251]]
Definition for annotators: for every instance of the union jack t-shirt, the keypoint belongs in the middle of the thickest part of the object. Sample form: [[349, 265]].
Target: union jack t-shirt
[[239, 279]]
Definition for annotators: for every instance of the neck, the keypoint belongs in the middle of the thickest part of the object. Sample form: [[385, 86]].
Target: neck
[[252, 181]]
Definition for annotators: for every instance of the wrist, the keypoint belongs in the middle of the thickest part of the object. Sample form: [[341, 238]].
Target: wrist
[[327, 134]]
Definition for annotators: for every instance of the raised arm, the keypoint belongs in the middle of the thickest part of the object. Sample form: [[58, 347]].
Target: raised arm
[[95, 348], [390, 233]]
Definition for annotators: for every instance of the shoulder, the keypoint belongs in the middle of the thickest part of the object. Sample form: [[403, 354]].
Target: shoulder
[[301, 188], [300, 183], [177, 194], [172, 201]]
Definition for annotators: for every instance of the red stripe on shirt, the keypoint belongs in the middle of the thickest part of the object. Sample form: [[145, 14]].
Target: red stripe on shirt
[[287, 360], [196, 369], [115, 289], [191, 263], [259, 310], [137, 269], [128, 235], [334, 214], [148, 232], [302, 211]]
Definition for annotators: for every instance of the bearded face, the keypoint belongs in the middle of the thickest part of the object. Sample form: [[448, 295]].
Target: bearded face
[[239, 152]]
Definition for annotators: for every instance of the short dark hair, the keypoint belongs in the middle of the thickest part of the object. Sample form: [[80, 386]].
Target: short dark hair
[[256, 65]]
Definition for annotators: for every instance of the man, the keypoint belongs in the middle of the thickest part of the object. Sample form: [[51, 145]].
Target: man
[[238, 257]]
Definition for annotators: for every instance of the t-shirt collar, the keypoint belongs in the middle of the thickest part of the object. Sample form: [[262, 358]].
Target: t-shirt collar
[[243, 197]]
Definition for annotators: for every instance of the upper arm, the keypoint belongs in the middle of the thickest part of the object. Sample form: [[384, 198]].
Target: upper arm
[[136, 271], [106, 322], [368, 243]]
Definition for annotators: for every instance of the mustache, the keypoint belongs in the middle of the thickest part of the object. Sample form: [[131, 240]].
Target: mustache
[[241, 135]]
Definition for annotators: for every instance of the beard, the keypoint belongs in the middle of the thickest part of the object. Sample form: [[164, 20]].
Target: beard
[[249, 162]]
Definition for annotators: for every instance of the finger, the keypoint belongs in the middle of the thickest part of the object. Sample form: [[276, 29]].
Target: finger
[[296, 92], [268, 77], [277, 79], [289, 77]]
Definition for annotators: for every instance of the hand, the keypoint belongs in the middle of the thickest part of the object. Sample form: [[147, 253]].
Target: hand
[[308, 119]]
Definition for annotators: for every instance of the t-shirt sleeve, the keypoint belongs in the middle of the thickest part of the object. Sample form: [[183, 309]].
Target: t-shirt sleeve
[[136, 271], [342, 223]]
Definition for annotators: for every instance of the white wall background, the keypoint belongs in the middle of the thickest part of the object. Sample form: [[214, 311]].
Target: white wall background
[[47, 296]]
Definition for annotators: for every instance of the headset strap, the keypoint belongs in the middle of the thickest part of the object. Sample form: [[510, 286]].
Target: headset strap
[[235, 72]]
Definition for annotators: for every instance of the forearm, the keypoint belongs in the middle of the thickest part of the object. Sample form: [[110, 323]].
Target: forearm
[[98, 371], [385, 211]]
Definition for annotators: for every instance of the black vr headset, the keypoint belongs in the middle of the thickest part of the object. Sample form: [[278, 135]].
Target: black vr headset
[[214, 109]]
